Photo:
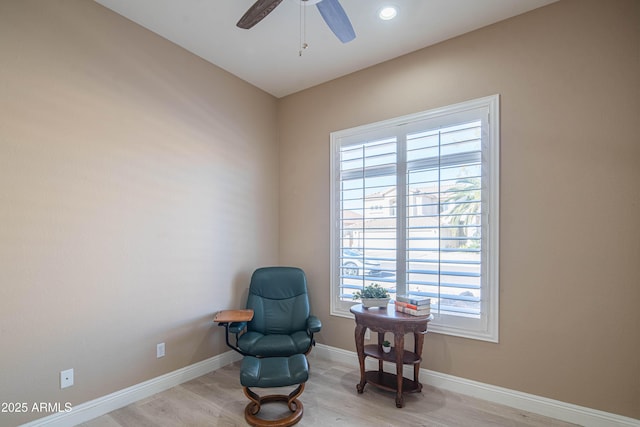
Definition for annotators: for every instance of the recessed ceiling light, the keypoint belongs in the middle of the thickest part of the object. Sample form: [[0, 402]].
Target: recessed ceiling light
[[387, 13]]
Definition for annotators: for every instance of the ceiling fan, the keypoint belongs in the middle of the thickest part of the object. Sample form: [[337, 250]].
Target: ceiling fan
[[331, 11]]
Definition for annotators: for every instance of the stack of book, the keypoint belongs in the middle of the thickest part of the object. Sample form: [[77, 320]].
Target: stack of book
[[413, 304]]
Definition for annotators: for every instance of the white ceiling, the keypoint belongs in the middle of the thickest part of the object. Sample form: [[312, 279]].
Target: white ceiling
[[267, 55]]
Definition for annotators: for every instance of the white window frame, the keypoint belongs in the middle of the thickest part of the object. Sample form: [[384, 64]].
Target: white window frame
[[486, 109]]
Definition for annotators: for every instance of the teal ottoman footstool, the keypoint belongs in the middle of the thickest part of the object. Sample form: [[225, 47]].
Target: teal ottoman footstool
[[270, 372]]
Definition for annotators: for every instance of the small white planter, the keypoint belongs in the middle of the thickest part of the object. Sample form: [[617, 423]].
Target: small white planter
[[386, 349], [375, 302]]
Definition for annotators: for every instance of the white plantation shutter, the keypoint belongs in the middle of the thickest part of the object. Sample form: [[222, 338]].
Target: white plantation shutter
[[444, 233], [415, 209], [367, 230]]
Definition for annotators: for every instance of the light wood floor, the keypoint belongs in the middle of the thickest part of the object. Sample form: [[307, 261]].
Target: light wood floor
[[329, 399]]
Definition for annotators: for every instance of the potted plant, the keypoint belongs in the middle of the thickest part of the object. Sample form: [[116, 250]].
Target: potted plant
[[386, 346], [373, 295]]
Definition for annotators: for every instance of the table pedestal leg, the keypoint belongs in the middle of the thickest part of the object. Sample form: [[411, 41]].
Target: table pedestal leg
[[418, 339], [399, 345], [359, 337]]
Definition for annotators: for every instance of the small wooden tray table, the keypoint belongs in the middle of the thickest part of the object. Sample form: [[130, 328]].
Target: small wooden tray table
[[228, 316]]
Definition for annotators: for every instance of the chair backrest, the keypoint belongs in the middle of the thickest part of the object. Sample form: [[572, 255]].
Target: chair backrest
[[279, 299]]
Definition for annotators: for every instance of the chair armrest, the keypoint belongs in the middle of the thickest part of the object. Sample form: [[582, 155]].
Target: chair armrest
[[236, 327], [314, 324]]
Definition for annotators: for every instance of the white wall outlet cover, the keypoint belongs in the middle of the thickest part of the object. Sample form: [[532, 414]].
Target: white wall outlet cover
[[160, 350], [66, 378]]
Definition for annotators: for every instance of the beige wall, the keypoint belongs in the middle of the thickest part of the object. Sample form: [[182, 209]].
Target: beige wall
[[138, 191], [568, 76]]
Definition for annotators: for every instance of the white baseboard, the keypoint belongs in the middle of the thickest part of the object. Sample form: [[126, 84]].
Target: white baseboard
[[527, 402], [102, 405]]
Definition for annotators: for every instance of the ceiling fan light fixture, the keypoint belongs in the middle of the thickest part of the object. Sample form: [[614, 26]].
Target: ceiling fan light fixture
[[387, 13], [331, 10]]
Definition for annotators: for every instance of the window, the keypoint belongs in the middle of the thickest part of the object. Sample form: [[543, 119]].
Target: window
[[414, 206]]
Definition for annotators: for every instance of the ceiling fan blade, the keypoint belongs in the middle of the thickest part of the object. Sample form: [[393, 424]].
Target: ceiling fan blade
[[336, 18], [257, 12]]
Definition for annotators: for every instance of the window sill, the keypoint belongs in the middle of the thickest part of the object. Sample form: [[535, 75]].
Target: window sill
[[438, 327]]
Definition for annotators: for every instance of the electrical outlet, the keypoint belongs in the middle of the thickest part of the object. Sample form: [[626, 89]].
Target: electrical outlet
[[66, 378], [367, 334], [160, 350]]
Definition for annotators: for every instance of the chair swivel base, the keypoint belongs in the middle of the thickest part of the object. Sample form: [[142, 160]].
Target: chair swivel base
[[252, 409]]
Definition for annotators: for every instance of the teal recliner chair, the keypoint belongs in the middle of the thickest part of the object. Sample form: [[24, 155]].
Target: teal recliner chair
[[282, 324]]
